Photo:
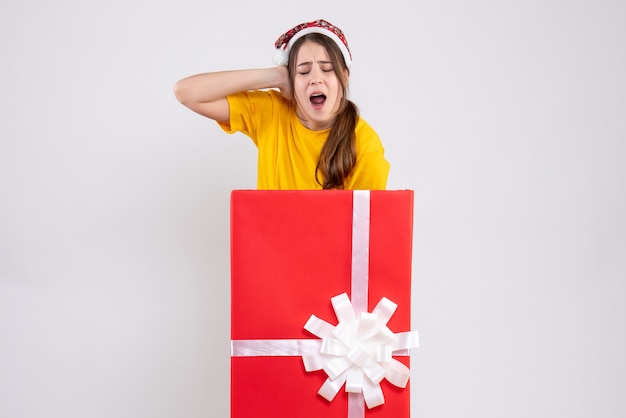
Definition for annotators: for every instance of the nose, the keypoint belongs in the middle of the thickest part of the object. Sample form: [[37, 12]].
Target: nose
[[315, 76]]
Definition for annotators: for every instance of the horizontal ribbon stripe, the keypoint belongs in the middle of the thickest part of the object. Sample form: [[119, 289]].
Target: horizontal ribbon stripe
[[263, 348]]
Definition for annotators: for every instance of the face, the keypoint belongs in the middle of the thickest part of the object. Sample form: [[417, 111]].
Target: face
[[317, 89]]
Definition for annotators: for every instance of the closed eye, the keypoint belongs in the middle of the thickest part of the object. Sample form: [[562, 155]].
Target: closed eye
[[323, 70], [305, 67]]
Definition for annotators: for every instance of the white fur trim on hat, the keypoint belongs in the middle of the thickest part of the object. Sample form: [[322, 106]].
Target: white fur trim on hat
[[281, 53]]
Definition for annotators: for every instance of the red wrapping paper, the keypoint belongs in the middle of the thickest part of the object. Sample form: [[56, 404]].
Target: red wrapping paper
[[290, 254]]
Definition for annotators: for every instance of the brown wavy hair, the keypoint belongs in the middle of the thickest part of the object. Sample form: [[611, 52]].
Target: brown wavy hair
[[338, 154]]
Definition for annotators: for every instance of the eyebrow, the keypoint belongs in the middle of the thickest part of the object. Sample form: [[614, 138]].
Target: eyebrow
[[302, 64]]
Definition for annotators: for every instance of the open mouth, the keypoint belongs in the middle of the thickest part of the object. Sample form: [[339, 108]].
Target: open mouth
[[318, 100]]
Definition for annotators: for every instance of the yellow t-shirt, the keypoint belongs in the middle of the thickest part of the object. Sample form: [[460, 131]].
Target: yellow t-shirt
[[288, 151]]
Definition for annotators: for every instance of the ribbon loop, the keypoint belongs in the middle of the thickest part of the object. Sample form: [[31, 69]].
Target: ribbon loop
[[375, 372], [397, 373], [333, 347], [383, 353], [358, 356], [405, 340], [336, 367], [318, 327], [354, 381], [373, 394], [315, 361], [369, 325], [331, 388], [385, 309], [343, 308]]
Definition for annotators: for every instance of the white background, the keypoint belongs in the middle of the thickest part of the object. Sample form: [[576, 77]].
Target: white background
[[507, 119]]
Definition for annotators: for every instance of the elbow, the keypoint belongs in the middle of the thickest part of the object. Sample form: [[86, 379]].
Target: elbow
[[180, 92]]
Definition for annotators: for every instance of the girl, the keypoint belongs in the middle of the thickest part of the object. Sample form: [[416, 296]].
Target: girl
[[309, 135]]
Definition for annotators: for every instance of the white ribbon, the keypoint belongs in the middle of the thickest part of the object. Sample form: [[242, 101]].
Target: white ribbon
[[263, 348], [358, 351], [360, 249]]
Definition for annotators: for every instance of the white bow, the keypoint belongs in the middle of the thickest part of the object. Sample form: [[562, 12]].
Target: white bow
[[358, 351]]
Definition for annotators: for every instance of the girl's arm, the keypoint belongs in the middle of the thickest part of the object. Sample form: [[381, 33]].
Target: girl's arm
[[206, 93]]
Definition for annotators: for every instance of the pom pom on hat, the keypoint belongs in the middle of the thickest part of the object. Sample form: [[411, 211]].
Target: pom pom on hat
[[284, 43], [281, 56]]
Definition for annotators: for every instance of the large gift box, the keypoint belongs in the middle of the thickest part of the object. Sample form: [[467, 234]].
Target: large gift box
[[321, 303]]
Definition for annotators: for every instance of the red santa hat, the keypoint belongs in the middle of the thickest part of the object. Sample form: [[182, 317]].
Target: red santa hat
[[284, 43]]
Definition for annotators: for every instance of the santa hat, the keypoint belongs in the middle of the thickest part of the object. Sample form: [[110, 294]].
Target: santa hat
[[284, 43]]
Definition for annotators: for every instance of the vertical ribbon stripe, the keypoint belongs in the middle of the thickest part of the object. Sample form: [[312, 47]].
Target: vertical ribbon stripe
[[360, 250], [360, 275]]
